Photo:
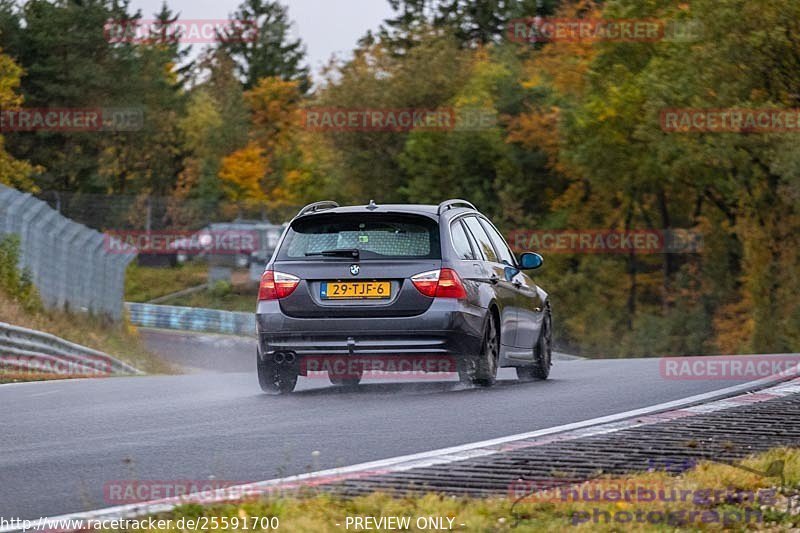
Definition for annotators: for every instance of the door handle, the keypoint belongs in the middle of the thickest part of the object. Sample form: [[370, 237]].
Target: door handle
[[517, 283], [493, 278]]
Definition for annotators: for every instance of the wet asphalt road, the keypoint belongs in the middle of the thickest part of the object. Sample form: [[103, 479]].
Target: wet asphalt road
[[66, 445]]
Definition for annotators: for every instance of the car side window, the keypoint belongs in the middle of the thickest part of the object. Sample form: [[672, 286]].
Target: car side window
[[499, 244], [461, 242], [483, 240]]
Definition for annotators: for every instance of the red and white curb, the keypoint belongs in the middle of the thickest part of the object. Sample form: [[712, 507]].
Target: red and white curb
[[683, 408]]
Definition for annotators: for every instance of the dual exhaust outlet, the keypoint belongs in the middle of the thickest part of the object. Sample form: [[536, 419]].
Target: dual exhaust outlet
[[284, 358], [288, 358]]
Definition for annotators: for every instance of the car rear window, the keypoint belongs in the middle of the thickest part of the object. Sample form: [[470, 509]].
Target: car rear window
[[374, 236]]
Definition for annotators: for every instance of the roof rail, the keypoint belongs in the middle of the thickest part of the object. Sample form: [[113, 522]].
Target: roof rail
[[317, 206], [449, 204]]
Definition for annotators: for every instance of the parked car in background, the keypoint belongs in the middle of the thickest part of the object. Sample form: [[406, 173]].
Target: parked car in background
[[233, 244]]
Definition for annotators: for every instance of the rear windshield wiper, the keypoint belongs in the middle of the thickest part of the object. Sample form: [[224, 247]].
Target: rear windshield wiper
[[339, 252]]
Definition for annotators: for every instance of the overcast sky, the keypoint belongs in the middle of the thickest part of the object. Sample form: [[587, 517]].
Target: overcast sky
[[325, 26]]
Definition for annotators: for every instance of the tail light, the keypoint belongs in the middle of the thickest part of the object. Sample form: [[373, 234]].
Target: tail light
[[427, 282], [443, 283], [276, 285]]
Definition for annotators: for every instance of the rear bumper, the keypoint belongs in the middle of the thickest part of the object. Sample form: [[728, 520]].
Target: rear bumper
[[448, 327]]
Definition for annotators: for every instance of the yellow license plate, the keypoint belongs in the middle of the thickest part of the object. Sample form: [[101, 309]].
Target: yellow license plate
[[332, 290]]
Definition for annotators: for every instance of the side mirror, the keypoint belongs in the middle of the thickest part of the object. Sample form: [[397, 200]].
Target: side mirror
[[530, 261]]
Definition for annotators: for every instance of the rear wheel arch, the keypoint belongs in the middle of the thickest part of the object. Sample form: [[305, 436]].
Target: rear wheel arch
[[494, 309], [481, 368], [548, 313]]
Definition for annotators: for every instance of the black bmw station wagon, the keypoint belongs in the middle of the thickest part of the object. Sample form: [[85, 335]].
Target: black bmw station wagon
[[396, 281]]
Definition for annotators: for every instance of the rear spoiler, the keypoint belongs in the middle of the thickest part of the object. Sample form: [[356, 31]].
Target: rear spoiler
[[450, 204], [317, 206]]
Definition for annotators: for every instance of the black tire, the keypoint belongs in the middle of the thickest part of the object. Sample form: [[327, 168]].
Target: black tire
[[542, 353], [275, 378], [348, 382], [481, 370]]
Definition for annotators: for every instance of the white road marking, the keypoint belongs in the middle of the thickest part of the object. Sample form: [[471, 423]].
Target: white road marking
[[47, 393]]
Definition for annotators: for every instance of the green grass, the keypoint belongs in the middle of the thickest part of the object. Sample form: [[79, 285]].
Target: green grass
[[143, 284], [222, 296], [313, 512], [118, 339]]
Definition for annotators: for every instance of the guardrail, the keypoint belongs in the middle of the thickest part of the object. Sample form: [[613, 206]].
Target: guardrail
[[30, 350], [191, 319]]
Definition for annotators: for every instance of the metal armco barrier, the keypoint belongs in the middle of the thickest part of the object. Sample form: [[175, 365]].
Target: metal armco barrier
[[191, 319], [72, 266], [28, 349]]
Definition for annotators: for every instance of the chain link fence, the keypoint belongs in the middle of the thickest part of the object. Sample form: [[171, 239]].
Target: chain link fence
[[72, 266]]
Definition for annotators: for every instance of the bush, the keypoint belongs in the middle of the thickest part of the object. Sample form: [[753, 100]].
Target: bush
[[16, 283], [220, 289]]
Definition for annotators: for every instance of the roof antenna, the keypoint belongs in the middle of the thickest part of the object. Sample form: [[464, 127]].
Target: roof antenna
[[372, 205]]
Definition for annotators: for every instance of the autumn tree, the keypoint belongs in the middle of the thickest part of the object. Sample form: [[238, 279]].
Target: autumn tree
[[13, 172], [69, 62], [273, 170], [600, 122], [243, 174], [427, 78]]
